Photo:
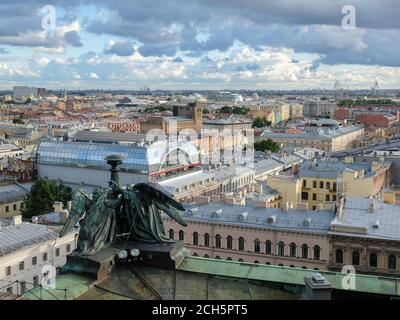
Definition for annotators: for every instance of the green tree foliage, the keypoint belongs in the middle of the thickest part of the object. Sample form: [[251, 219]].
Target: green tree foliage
[[268, 144], [18, 121], [42, 196], [362, 102], [234, 110], [261, 122]]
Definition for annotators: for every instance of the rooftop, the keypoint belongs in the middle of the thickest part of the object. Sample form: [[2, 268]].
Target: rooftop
[[358, 220], [309, 221], [20, 236]]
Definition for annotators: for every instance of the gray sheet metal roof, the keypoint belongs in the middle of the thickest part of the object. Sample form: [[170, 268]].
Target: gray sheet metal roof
[[356, 214], [17, 237], [318, 221], [331, 169], [13, 192]]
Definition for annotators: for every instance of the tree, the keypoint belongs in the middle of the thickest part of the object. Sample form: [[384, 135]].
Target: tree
[[268, 144], [42, 196], [261, 122], [18, 121]]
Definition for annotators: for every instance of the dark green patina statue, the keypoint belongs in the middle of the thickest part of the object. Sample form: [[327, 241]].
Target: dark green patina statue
[[116, 214]]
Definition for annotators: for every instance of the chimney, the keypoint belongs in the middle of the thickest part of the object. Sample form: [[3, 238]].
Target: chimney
[[372, 206], [317, 288], [17, 220], [57, 207]]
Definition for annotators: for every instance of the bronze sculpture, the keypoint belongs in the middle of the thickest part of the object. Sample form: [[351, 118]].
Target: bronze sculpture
[[117, 214]]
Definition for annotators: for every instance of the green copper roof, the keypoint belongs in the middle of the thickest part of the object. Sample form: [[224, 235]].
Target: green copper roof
[[295, 276]]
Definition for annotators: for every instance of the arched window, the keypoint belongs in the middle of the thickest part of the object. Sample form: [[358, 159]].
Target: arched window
[[181, 235], [268, 263], [240, 260], [206, 256], [281, 265], [392, 262], [355, 258], [339, 256], [304, 251], [292, 249], [229, 259], [171, 234], [217, 257], [292, 266], [206, 240], [256, 261], [268, 247], [316, 269], [317, 253], [229, 242], [195, 238], [281, 248], [195, 254], [257, 246], [304, 267], [218, 241], [241, 243], [373, 260]]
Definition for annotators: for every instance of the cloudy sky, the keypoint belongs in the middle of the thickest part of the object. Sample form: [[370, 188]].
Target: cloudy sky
[[199, 44]]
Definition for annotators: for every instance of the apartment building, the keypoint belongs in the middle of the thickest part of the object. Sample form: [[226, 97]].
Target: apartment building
[[29, 252]]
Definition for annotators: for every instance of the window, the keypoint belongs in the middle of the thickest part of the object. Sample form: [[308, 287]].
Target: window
[[45, 256], [355, 258], [206, 240], [314, 184], [21, 265], [15, 207], [268, 247], [333, 198], [7, 209], [68, 248], [281, 248], [35, 281], [171, 234], [9, 290], [229, 259], [327, 197], [373, 260], [8, 271], [334, 186], [305, 183], [23, 287], [229, 242], [257, 248], [217, 257], [339, 256], [292, 249], [34, 261], [206, 256], [304, 195], [304, 251], [57, 252], [392, 262], [317, 253], [314, 196], [328, 185], [195, 238], [241, 243], [218, 241], [321, 184]]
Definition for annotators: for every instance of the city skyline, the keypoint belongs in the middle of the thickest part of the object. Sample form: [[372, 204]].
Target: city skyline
[[198, 45]]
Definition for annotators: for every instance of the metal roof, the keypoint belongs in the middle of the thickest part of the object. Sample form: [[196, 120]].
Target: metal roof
[[17, 237], [259, 217], [356, 213]]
